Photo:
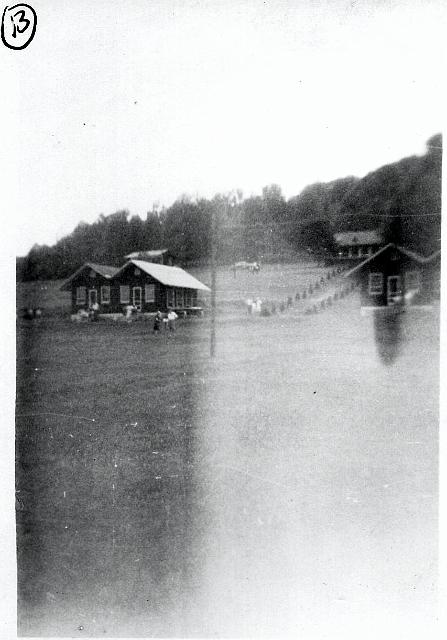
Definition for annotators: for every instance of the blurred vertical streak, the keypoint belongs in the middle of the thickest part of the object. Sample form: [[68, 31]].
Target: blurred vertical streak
[[213, 284]]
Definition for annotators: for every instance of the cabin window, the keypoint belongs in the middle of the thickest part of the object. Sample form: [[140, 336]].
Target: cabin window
[[375, 284], [92, 274], [412, 281], [105, 294], [179, 298], [81, 295], [170, 299], [149, 292], [188, 302], [124, 293], [137, 272]]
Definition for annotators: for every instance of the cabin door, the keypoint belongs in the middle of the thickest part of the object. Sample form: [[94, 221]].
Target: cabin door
[[92, 297], [136, 297], [394, 289]]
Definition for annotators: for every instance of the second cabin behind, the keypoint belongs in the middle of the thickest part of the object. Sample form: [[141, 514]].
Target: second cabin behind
[[159, 256], [356, 245]]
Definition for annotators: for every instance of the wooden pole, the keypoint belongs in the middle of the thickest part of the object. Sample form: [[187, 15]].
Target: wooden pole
[[213, 284]]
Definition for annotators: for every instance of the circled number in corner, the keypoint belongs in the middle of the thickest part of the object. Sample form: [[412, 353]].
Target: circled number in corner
[[18, 26]]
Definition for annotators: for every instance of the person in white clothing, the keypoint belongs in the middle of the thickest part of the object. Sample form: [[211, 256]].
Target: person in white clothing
[[172, 317], [94, 311]]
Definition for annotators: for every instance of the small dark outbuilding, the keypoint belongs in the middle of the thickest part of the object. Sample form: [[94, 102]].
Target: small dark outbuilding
[[397, 276]]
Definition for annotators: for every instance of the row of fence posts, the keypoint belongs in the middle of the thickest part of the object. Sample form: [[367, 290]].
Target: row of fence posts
[[319, 285], [328, 302]]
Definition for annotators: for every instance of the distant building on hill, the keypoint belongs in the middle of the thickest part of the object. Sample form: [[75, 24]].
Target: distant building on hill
[[148, 286], [158, 256], [356, 245], [397, 276]]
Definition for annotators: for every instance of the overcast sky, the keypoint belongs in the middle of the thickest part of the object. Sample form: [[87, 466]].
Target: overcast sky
[[122, 105]]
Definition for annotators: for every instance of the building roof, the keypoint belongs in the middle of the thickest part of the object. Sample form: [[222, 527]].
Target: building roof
[[169, 276], [410, 254], [356, 238], [152, 253], [104, 270]]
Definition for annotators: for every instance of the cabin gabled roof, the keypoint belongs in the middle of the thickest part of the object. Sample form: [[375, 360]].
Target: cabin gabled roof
[[410, 254], [357, 238], [169, 276], [104, 270]]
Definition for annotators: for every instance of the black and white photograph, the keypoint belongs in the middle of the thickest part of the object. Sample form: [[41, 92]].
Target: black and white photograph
[[227, 269]]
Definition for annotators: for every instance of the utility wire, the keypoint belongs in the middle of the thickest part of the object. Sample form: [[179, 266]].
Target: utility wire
[[274, 225]]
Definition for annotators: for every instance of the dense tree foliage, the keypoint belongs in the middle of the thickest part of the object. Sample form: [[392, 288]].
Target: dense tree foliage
[[402, 199]]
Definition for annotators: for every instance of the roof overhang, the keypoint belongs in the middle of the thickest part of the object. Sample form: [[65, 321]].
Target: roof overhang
[[65, 286]]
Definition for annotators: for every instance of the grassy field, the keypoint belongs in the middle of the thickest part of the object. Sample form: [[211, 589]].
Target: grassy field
[[286, 488]]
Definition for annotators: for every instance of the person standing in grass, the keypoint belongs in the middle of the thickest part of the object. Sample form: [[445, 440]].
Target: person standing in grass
[[172, 317], [129, 312], [157, 322], [94, 311]]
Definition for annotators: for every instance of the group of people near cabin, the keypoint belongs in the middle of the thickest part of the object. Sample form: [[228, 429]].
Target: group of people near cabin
[[89, 315], [162, 321], [254, 306], [32, 314], [165, 320]]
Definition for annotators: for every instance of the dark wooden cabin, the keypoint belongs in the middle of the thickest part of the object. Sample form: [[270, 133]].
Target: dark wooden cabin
[[397, 276], [151, 287], [148, 286], [91, 284]]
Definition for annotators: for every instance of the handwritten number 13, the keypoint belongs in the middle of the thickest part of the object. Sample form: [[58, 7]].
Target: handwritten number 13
[[18, 26], [21, 19]]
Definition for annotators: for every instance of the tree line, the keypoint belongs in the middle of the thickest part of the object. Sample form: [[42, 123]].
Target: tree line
[[402, 200]]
